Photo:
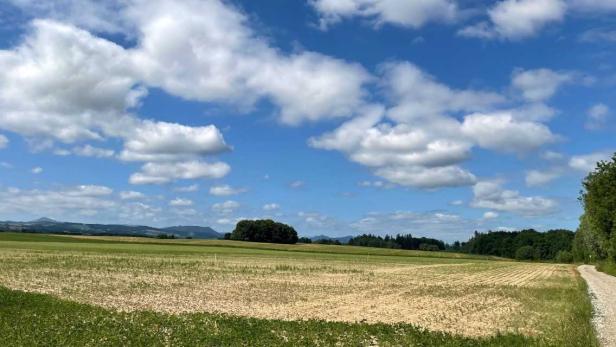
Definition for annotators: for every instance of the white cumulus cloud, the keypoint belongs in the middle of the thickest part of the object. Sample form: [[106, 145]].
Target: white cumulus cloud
[[158, 173], [271, 207], [597, 116], [588, 162], [517, 19], [179, 202], [403, 13], [226, 207], [490, 195], [226, 190], [131, 195]]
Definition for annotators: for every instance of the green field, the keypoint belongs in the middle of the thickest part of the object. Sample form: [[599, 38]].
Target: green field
[[59, 290]]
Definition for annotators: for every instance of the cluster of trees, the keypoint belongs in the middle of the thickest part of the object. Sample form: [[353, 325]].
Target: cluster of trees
[[399, 241], [165, 236], [320, 241], [263, 230], [527, 244], [595, 239], [328, 242]]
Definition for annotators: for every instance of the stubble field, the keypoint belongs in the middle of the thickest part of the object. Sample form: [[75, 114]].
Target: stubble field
[[465, 298]]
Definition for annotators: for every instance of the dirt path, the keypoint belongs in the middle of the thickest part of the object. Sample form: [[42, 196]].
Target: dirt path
[[603, 292]]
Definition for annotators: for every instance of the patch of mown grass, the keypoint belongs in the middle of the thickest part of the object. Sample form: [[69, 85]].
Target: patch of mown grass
[[28, 319], [607, 267], [113, 244], [570, 309], [300, 248], [35, 237]]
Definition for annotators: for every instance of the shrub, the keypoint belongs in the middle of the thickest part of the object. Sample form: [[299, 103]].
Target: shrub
[[525, 253], [264, 230], [564, 257], [165, 236], [428, 247], [304, 240], [328, 242]]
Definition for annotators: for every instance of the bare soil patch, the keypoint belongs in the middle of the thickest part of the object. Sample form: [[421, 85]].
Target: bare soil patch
[[472, 298]]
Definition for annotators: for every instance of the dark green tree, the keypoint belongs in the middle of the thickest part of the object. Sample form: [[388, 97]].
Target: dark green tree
[[304, 240], [264, 230], [599, 199], [525, 253]]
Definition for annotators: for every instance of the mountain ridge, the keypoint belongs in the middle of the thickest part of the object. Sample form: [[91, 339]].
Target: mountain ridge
[[48, 225]]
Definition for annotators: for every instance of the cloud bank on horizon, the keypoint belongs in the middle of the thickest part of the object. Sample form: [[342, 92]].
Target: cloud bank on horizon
[[207, 111]]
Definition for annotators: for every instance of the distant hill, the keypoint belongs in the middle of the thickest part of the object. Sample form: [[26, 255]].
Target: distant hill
[[342, 239], [194, 231], [44, 220], [48, 225]]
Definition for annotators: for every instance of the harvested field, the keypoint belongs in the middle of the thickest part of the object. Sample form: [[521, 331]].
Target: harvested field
[[460, 295]]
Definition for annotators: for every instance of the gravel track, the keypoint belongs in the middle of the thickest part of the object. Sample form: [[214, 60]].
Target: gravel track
[[602, 288]]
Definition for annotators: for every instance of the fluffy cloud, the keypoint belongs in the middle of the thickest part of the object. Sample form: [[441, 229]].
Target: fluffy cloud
[[552, 156], [37, 170], [77, 200], [91, 151], [596, 6], [131, 195], [226, 190], [89, 190], [376, 184], [4, 141], [597, 116], [436, 177], [490, 195], [536, 178], [179, 202], [65, 84], [138, 211], [404, 13], [588, 162], [187, 189], [271, 207], [417, 95], [598, 35], [401, 154], [226, 207], [86, 151], [426, 143], [161, 141], [540, 84], [198, 50], [517, 19], [100, 16], [158, 173], [62, 83], [503, 133], [205, 50], [297, 184], [490, 215]]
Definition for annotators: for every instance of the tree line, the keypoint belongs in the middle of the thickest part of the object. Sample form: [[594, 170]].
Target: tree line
[[526, 244], [263, 230], [595, 240], [399, 241]]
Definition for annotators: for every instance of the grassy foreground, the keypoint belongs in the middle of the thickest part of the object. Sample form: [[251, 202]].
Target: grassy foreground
[[607, 267], [28, 319], [122, 291]]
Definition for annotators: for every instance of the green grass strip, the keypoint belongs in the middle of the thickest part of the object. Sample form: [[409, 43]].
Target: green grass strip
[[28, 319]]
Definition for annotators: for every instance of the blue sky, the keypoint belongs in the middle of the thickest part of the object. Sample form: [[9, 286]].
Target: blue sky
[[435, 118]]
